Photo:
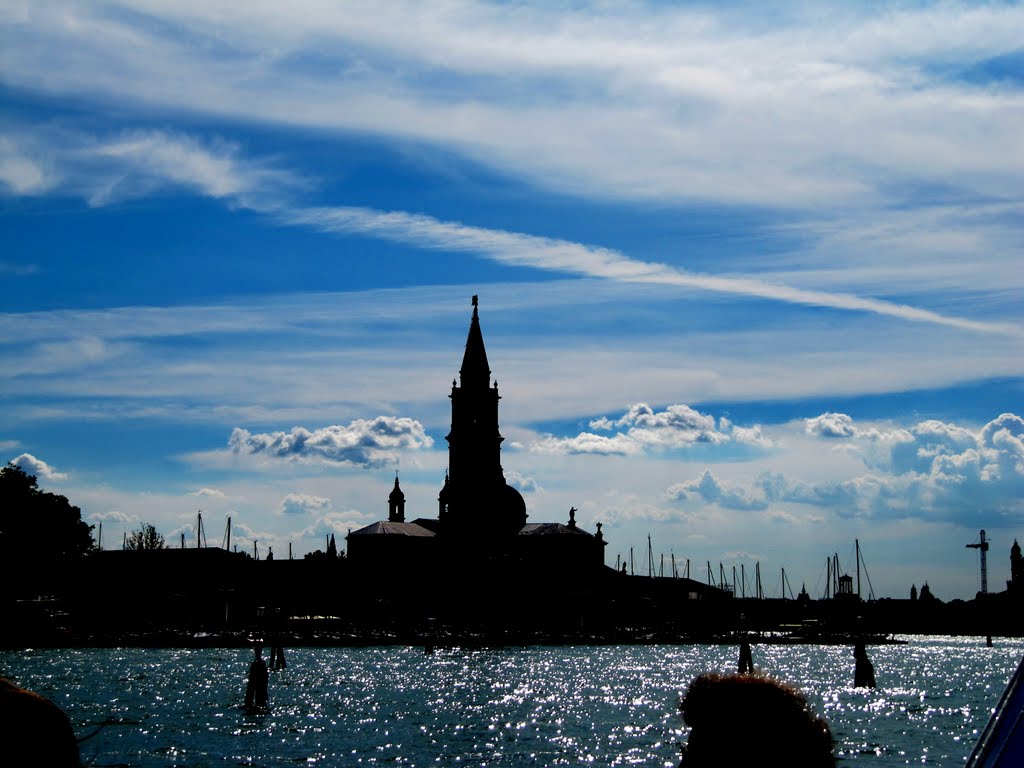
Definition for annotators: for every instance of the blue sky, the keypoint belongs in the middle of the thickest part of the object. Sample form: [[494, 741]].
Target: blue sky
[[750, 276]]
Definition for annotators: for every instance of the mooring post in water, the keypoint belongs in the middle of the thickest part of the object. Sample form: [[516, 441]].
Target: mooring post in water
[[746, 666], [256, 689], [864, 670], [274, 629]]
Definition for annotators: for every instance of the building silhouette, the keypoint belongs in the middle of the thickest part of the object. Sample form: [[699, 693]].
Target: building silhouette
[[1015, 585], [481, 530]]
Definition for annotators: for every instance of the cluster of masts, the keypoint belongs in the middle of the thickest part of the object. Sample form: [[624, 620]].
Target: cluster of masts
[[836, 581], [201, 541]]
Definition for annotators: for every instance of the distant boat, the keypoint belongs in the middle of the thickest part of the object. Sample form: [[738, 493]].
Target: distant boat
[[1002, 742]]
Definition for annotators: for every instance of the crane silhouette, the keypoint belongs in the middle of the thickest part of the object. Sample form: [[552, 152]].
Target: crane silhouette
[[982, 545]]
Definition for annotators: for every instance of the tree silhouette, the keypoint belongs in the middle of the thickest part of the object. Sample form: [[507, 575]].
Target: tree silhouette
[[36, 525], [146, 537]]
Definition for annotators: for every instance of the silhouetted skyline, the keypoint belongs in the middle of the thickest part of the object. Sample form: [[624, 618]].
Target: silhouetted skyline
[[751, 277]]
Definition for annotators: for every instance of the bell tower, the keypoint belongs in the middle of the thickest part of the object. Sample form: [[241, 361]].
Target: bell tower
[[396, 504], [475, 497]]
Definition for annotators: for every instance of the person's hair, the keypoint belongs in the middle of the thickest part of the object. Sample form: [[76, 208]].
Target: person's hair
[[752, 720]]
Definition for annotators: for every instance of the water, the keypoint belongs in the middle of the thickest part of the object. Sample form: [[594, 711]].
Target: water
[[542, 706]]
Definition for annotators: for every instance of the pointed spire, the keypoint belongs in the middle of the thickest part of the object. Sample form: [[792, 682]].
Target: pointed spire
[[396, 504], [475, 369], [396, 492]]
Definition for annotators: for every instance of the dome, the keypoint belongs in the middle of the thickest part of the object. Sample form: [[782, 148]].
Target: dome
[[513, 507]]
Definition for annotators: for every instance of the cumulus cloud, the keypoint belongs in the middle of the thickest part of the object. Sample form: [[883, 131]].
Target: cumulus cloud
[[587, 443], [830, 425], [337, 523], [641, 428], [37, 467], [623, 512], [931, 470], [710, 489], [301, 504], [752, 436], [365, 443], [521, 482]]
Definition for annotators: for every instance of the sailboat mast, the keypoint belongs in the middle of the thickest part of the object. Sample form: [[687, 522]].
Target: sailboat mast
[[857, 544]]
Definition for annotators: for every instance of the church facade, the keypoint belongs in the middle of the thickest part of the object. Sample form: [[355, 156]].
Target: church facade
[[481, 525]]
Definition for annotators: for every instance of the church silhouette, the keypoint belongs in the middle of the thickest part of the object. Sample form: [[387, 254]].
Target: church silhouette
[[480, 536]]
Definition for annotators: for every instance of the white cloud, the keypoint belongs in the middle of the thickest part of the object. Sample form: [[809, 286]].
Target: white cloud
[[809, 106], [368, 443], [212, 493], [189, 363], [337, 523], [521, 482], [20, 173], [669, 104], [641, 428], [37, 467], [830, 425], [752, 436], [302, 504], [710, 489], [519, 249], [587, 443], [114, 515], [933, 470], [130, 164]]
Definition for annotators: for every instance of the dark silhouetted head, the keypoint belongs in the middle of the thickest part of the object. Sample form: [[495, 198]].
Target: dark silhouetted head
[[33, 730], [752, 720]]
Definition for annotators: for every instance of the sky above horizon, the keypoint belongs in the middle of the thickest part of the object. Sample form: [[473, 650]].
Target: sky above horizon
[[750, 275]]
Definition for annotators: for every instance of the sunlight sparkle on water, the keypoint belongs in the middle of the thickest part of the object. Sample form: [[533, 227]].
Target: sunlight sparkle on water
[[505, 707]]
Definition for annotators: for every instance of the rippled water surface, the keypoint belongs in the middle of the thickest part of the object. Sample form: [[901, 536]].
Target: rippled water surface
[[509, 707]]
